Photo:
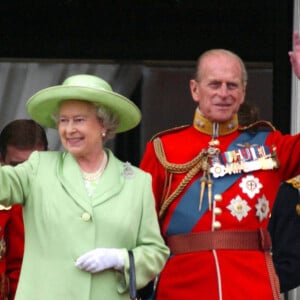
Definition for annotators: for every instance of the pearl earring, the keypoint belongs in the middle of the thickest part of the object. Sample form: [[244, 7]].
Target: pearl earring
[[103, 134]]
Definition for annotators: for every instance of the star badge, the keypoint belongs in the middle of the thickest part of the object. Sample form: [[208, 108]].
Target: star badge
[[262, 208], [250, 185], [239, 208]]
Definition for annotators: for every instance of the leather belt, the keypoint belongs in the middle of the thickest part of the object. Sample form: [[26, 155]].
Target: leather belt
[[216, 240], [228, 239]]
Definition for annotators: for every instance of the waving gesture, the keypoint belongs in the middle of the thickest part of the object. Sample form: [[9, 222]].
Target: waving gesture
[[295, 54]]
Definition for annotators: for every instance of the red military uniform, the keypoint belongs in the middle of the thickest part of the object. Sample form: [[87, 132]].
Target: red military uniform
[[11, 249], [215, 186]]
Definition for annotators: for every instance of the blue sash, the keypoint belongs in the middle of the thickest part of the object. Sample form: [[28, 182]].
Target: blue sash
[[186, 215]]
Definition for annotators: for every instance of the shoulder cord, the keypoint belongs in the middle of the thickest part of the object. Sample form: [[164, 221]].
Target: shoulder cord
[[192, 168]]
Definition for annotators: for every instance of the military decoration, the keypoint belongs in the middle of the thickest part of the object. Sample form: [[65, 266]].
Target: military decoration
[[250, 185], [262, 208], [246, 158], [239, 208], [218, 170], [210, 156]]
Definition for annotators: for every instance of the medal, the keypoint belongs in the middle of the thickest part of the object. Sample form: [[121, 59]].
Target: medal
[[250, 185], [238, 208], [262, 208]]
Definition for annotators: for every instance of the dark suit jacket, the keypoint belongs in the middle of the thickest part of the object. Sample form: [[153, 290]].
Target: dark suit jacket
[[284, 227]]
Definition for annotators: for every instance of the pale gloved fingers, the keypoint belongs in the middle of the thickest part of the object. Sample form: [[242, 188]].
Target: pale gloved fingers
[[100, 259], [87, 263]]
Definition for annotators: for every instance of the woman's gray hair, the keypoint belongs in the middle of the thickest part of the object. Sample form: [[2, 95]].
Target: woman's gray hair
[[107, 118]]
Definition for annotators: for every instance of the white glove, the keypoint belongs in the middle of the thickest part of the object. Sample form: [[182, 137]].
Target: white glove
[[100, 259]]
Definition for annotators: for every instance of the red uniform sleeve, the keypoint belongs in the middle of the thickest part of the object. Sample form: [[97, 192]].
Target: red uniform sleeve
[[287, 149], [5, 215], [15, 248]]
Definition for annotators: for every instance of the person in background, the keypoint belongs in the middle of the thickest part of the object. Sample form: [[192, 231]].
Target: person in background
[[18, 139], [83, 208], [284, 227], [215, 184], [248, 114]]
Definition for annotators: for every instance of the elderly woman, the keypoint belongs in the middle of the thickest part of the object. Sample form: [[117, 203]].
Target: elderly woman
[[83, 208]]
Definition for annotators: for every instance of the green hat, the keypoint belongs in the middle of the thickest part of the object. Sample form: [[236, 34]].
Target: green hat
[[42, 105]]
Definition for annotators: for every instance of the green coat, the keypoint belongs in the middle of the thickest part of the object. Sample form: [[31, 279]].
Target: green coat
[[62, 223]]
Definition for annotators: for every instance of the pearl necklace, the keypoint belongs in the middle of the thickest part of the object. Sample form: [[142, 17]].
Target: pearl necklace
[[95, 175]]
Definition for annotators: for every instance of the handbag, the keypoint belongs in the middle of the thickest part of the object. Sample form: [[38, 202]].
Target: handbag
[[141, 294], [132, 283]]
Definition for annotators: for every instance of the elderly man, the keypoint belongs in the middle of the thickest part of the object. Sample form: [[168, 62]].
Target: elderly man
[[215, 183]]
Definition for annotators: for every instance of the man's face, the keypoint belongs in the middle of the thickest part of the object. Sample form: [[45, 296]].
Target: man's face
[[15, 156], [219, 90]]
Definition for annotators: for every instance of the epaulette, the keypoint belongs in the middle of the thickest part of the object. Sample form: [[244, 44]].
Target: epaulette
[[295, 181], [174, 129], [259, 126]]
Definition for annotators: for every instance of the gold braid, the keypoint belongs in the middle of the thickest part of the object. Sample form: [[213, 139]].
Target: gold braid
[[192, 168]]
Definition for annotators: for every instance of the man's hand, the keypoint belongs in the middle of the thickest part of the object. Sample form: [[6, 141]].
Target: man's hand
[[295, 54], [100, 259]]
